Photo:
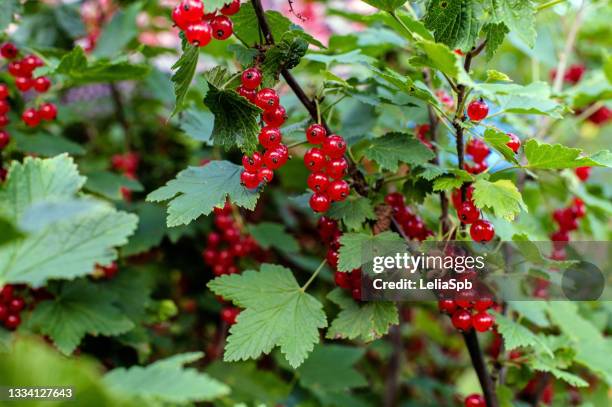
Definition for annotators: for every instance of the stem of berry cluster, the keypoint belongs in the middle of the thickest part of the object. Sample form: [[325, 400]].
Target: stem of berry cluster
[[470, 337], [359, 182]]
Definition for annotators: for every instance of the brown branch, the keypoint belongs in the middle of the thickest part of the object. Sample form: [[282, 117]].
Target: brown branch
[[486, 382], [394, 367]]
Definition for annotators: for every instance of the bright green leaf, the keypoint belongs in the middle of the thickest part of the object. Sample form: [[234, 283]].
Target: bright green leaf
[[502, 197], [358, 249], [353, 211], [277, 312], [197, 190], [386, 5], [556, 156], [498, 140], [516, 335]]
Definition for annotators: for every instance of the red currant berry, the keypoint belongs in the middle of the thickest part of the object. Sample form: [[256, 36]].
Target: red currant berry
[[477, 110], [456, 196], [4, 120], [270, 137], [482, 321], [395, 200], [29, 63], [515, 143], [318, 182], [16, 69], [225, 257], [23, 83], [249, 179], [252, 163], [5, 138], [229, 315], [264, 174], [8, 50], [482, 231], [475, 400], [273, 159], [327, 228], [275, 118], [578, 208], [111, 270], [41, 84], [478, 149], [218, 269], [267, 99], [179, 18], [30, 117], [192, 10], [332, 258], [231, 8], [414, 227], [249, 94], [213, 239], [319, 202], [4, 91], [560, 236], [4, 106], [231, 235], [251, 78], [462, 320], [338, 190], [6, 294], [4, 312], [337, 168], [468, 213], [198, 34], [477, 168], [483, 304], [316, 134], [356, 293], [583, 173], [314, 159], [334, 146], [210, 256], [48, 112], [447, 306], [342, 280], [16, 305], [566, 219], [12, 322], [222, 27]]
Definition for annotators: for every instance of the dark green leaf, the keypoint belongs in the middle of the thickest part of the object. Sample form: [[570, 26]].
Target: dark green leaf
[[273, 235], [394, 148], [198, 124], [387, 5], [119, 32], [46, 145], [109, 184], [454, 23], [183, 76], [353, 211]]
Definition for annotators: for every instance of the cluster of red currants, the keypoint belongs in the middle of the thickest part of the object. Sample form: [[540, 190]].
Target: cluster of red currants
[[327, 167], [22, 70], [572, 75], [412, 225], [330, 234], [480, 230], [421, 132], [475, 400], [10, 307], [199, 26], [479, 151], [259, 168], [467, 313], [127, 164]]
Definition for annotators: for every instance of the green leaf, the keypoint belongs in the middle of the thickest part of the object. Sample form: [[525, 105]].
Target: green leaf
[[516, 335], [394, 148], [151, 229], [330, 368], [358, 249], [79, 70], [246, 25], [236, 119], [495, 34], [119, 32], [449, 182], [502, 197], [197, 190], [518, 16], [69, 18], [79, 308], [244, 55], [556, 156], [454, 23], [386, 5], [368, 321], [10, 232], [569, 378], [494, 76], [183, 76], [499, 140], [273, 235], [587, 341], [353, 211], [277, 313], [66, 247], [439, 56], [198, 124], [286, 54], [8, 9], [46, 145], [109, 184], [166, 381]]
